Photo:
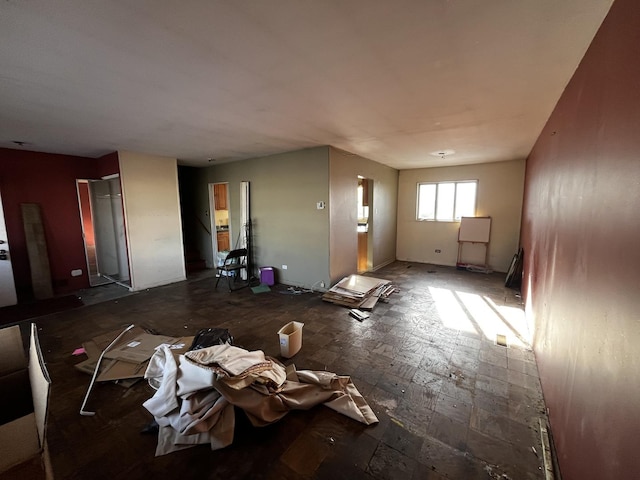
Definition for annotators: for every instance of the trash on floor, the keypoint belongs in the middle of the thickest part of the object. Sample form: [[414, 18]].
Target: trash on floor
[[262, 288], [359, 314], [127, 360], [196, 394], [83, 410], [358, 291], [208, 337]]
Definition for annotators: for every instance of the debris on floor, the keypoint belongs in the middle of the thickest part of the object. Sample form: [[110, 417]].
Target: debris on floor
[[197, 391], [127, 360], [358, 291], [262, 288], [359, 314]]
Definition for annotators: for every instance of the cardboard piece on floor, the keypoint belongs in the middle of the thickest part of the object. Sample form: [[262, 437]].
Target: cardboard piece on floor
[[102, 341], [23, 437], [124, 372], [358, 291], [361, 284], [139, 349]]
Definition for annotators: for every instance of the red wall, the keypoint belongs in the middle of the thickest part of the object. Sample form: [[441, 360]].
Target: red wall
[[581, 238], [50, 181]]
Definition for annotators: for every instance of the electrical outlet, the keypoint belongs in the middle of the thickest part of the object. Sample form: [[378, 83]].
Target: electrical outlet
[[284, 267]]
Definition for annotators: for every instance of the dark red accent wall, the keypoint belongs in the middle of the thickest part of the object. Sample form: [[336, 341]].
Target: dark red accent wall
[[107, 165], [50, 181], [581, 238]]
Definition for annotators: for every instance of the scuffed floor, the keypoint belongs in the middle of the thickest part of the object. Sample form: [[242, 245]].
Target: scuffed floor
[[451, 402]]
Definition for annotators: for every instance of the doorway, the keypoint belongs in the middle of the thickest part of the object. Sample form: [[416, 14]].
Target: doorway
[[102, 215], [365, 225], [7, 283], [222, 239]]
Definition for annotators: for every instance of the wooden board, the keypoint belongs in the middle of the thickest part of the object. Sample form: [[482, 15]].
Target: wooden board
[[475, 229], [37, 250], [361, 284]]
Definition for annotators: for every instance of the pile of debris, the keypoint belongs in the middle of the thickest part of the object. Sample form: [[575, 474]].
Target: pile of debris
[[358, 291], [126, 361], [200, 380]]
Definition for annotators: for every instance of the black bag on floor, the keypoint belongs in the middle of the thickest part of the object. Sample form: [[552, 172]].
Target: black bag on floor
[[211, 336]]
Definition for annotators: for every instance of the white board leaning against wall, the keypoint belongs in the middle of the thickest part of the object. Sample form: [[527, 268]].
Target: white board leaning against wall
[[474, 231]]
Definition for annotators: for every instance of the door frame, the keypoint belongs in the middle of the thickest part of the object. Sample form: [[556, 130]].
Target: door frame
[[8, 295], [212, 218], [117, 222]]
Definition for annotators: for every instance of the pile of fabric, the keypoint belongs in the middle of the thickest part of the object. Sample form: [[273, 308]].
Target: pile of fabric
[[196, 393]]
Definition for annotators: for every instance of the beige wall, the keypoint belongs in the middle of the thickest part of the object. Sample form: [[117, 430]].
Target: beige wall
[[500, 193], [152, 217], [288, 229], [344, 170]]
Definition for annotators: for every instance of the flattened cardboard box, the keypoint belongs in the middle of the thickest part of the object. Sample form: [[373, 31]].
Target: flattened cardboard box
[[23, 430], [129, 358], [139, 349]]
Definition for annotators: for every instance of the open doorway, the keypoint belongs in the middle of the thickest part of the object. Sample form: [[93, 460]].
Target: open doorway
[[103, 230], [8, 294], [365, 226], [222, 240]]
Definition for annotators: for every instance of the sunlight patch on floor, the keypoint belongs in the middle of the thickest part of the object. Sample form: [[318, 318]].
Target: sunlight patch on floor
[[474, 313], [451, 313]]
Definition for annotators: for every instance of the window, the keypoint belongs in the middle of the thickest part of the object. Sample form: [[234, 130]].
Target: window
[[447, 201]]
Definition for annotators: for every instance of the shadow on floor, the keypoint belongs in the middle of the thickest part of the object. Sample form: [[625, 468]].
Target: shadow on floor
[[38, 308]]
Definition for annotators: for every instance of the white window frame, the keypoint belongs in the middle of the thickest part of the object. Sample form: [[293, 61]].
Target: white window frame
[[435, 209]]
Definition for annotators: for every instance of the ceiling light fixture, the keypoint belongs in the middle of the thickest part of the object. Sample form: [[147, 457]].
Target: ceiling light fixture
[[443, 153]]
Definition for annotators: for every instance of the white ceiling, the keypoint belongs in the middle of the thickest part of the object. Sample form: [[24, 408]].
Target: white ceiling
[[391, 80]]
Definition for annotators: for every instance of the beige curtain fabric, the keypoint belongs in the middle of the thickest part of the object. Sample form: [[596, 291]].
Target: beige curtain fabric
[[194, 400]]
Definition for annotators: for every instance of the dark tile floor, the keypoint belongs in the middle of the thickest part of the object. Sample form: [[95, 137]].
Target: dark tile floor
[[451, 403]]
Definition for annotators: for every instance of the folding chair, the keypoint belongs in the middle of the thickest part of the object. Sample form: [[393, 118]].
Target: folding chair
[[234, 263]]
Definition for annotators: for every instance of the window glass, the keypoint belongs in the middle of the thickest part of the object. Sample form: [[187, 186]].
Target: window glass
[[465, 200], [444, 203], [447, 201], [427, 201]]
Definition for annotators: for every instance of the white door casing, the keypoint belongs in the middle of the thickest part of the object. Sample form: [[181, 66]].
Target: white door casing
[[7, 284]]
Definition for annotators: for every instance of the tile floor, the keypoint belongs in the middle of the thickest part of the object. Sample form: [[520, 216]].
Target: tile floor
[[451, 402]]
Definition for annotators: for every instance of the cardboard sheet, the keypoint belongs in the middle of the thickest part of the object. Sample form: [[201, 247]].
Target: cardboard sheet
[[358, 291], [138, 349], [23, 437], [122, 364]]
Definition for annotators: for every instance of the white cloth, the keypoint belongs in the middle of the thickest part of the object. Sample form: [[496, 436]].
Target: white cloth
[[194, 400], [201, 416]]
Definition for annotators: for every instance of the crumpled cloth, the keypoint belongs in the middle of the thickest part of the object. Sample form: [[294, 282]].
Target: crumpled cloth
[[240, 368], [194, 400], [198, 417]]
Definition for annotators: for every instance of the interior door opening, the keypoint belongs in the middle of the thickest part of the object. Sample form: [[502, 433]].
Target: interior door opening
[[7, 284], [365, 225], [102, 216], [222, 240]]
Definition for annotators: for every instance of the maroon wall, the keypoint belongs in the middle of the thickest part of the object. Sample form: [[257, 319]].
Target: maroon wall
[[50, 181], [581, 238]]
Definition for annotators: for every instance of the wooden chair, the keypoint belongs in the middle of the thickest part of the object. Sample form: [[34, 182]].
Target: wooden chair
[[234, 263]]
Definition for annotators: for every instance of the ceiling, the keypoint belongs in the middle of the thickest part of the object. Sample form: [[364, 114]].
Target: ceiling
[[214, 81]]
